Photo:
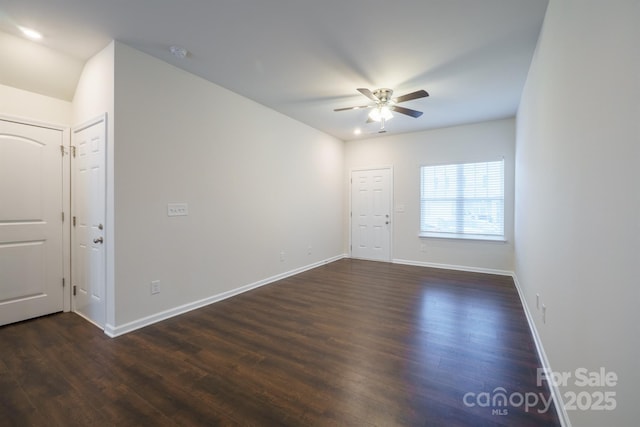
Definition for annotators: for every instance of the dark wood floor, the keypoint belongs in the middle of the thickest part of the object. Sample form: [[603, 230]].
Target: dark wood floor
[[352, 343]]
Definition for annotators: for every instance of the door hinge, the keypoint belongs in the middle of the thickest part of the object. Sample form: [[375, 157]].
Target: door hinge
[[73, 150], [62, 216], [74, 221], [63, 282], [74, 290], [62, 150]]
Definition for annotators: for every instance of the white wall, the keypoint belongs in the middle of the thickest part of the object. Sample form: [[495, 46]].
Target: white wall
[[577, 207], [32, 106], [94, 91], [256, 183], [406, 153], [31, 66], [94, 96]]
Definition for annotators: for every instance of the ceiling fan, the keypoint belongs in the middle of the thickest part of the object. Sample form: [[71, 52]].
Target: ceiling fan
[[384, 104]]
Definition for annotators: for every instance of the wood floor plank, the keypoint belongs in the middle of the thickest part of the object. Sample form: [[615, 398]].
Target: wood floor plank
[[351, 343]]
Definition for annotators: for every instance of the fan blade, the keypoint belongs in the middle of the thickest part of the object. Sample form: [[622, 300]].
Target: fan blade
[[368, 94], [407, 111], [353, 108], [413, 95]]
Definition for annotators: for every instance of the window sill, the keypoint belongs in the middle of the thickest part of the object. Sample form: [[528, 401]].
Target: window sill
[[454, 236]]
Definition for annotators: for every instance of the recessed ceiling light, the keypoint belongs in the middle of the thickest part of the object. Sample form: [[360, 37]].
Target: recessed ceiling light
[[32, 34], [357, 131]]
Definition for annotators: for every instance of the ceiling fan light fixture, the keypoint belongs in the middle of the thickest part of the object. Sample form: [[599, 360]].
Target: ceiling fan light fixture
[[381, 113], [385, 104]]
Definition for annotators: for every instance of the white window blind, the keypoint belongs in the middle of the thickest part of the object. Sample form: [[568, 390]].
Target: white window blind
[[463, 200]]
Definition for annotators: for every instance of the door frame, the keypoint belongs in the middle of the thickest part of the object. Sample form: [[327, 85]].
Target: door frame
[[66, 198], [391, 216]]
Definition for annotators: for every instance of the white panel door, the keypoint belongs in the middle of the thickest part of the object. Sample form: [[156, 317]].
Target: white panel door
[[88, 228], [370, 214], [31, 206]]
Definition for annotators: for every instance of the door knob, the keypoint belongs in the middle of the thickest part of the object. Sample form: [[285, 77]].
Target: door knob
[[98, 240]]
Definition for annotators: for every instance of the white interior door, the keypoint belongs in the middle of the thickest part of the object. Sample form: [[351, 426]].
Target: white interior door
[[31, 206], [88, 209], [371, 214]]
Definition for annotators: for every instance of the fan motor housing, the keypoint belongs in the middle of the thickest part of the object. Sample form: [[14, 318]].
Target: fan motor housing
[[384, 94]]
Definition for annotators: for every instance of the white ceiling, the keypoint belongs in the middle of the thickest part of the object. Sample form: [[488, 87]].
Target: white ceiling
[[304, 58]]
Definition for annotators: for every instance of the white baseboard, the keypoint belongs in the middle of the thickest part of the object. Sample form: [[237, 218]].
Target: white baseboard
[[555, 391], [453, 267], [115, 331]]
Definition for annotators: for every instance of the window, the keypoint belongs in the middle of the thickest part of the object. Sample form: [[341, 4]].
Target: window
[[464, 201]]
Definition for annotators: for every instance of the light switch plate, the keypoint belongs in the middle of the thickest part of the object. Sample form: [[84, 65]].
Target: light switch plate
[[177, 209]]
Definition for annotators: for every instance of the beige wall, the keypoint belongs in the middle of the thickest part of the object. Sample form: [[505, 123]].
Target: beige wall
[[256, 182], [33, 67], [406, 153], [94, 91], [578, 203], [32, 106]]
